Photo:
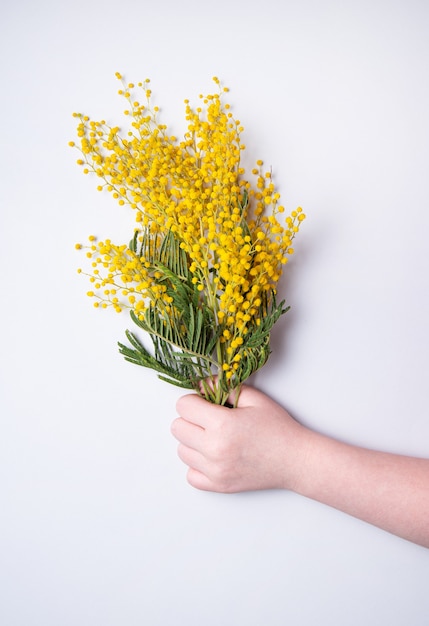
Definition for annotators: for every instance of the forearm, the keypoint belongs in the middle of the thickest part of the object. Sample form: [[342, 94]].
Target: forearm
[[387, 490]]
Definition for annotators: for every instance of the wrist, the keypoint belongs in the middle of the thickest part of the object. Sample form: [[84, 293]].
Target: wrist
[[295, 465]]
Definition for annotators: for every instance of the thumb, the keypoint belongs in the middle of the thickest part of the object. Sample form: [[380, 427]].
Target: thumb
[[249, 396]]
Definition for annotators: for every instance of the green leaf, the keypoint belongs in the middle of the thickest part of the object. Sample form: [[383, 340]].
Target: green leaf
[[183, 376], [133, 243]]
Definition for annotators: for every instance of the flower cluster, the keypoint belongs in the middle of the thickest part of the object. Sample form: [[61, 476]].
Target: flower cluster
[[203, 231]]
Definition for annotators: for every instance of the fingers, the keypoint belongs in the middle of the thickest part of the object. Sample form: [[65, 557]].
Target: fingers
[[199, 411], [200, 481], [195, 409], [196, 468], [187, 433], [191, 458]]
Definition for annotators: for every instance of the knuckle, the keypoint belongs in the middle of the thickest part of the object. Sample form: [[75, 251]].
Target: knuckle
[[222, 476], [218, 450]]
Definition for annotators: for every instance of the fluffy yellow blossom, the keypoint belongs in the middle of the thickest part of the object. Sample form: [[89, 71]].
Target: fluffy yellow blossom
[[202, 269]]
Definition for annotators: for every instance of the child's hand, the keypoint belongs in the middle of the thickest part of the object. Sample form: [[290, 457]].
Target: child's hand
[[259, 446], [255, 446]]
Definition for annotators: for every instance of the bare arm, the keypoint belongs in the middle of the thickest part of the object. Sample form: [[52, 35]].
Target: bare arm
[[259, 446], [387, 490]]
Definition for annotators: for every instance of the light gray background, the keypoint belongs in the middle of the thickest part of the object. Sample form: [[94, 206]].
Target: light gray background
[[98, 525]]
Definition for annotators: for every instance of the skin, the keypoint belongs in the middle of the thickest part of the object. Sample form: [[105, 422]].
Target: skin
[[258, 445]]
